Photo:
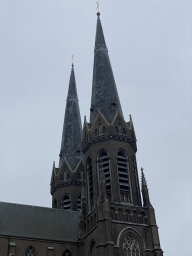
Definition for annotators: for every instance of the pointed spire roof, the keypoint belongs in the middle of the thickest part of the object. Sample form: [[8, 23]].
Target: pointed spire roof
[[72, 128], [104, 92], [143, 180]]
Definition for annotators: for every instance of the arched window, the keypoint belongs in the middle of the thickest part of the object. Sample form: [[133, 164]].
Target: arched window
[[79, 203], [66, 202], [90, 182], [103, 161], [131, 246], [104, 130], [92, 248], [30, 251], [55, 203], [67, 253], [123, 176]]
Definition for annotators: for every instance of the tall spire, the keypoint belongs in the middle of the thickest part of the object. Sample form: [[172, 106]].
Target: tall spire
[[72, 129], [104, 92]]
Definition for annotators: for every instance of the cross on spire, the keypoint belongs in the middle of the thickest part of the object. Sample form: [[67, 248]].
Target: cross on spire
[[72, 60], [97, 7]]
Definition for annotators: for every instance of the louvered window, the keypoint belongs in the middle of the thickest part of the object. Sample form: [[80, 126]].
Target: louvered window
[[90, 181], [79, 203], [123, 176], [66, 202], [104, 165]]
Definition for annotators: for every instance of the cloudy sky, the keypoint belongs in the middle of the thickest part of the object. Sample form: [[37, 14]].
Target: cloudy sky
[[150, 48]]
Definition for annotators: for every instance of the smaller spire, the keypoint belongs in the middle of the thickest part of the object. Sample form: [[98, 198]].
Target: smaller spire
[[72, 130], [145, 193], [143, 179]]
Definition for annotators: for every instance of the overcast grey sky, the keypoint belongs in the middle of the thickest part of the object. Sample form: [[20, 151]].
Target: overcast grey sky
[[150, 48]]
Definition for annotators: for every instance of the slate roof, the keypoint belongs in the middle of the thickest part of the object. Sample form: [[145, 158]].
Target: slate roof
[[104, 92], [38, 222], [72, 128]]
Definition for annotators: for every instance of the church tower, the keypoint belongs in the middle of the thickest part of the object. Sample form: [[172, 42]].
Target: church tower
[[114, 221], [66, 180]]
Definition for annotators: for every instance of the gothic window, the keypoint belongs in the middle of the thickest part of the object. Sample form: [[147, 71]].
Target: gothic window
[[104, 130], [65, 175], [90, 181], [67, 253], [103, 161], [124, 132], [79, 203], [66, 202], [92, 248], [119, 128], [100, 129], [30, 251], [78, 176], [55, 203], [81, 174], [123, 176], [131, 246]]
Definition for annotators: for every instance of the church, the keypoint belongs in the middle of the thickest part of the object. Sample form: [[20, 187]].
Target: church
[[98, 207]]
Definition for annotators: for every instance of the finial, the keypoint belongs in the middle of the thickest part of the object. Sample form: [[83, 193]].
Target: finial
[[142, 169], [72, 60], [98, 13]]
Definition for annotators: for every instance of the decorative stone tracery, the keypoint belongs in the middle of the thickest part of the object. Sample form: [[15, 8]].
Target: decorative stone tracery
[[30, 251], [131, 246]]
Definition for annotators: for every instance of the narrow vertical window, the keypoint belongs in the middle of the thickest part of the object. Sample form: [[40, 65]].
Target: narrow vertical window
[[96, 132], [103, 160], [123, 176], [90, 181], [78, 176], [104, 130], [55, 203], [66, 202], [119, 128], [79, 203], [100, 129]]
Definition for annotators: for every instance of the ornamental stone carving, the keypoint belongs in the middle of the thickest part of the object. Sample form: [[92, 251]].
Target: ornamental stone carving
[[131, 246]]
